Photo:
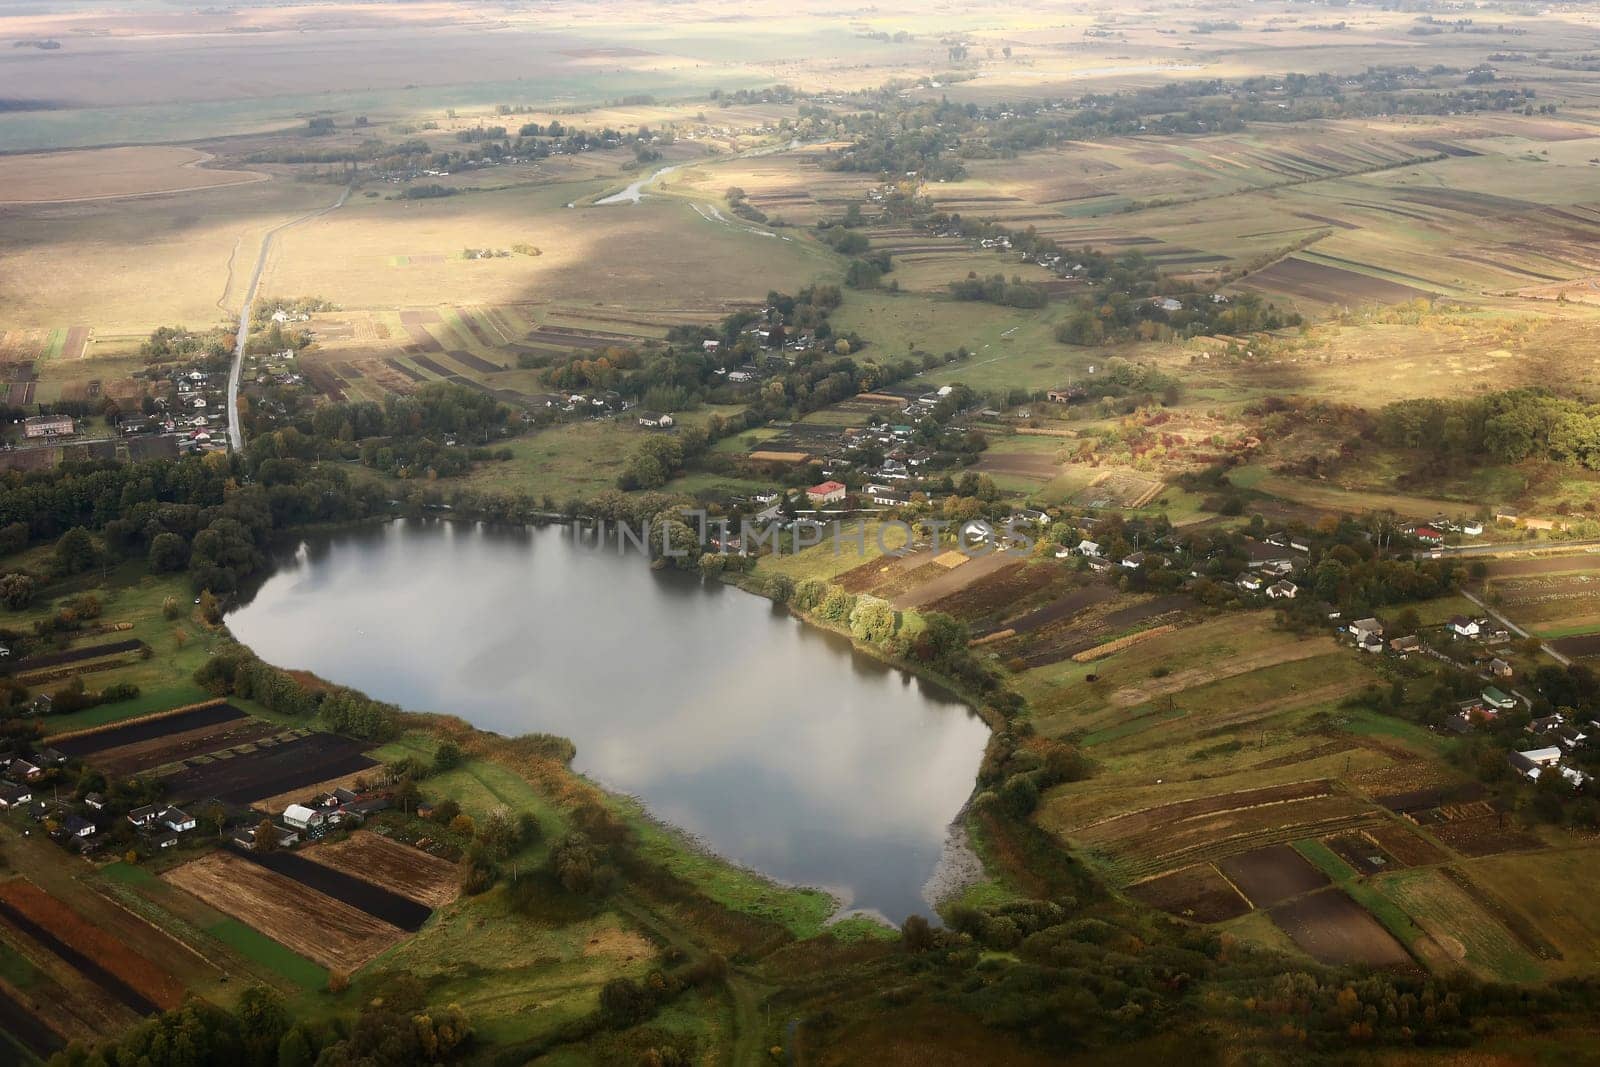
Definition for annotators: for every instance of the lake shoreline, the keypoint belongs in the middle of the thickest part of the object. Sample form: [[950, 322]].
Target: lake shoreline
[[625, 800]]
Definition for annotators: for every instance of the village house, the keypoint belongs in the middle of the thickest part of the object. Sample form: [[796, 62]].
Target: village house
[[1500, 668], [77, 826], [655, 419], [12, 795], [39, 426], [1461, 626], [1366, 629], [1494, 698], [1405, 644], [1282, 591], [300, 817], [176, 820], [1134, 560], [1249, 583], [826, 493], [142, 816]]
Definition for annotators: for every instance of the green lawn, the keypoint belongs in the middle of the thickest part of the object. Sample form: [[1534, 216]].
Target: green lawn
[[259, 948]]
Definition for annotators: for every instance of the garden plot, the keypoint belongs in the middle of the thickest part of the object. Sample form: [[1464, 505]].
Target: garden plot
[[1334, 929], [316, 926], [407, 871]]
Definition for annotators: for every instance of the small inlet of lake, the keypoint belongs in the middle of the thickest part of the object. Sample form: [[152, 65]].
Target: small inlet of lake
[[777, 745]]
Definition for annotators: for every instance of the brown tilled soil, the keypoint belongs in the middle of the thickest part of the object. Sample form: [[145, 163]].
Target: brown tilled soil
[[1336, 930], [1198, 893], [318, 927], [1268, 875], [398, 868]]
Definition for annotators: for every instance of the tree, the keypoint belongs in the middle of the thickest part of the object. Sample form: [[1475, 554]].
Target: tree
[[447, 757], [168, 553], [266, 836], [16, 591], [76, 552]]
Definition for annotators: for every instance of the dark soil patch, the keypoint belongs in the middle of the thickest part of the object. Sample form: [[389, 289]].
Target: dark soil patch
[[173, 748], [1580, 647], [1329, 285], [376, 901], [269, 771], [78, 655], [423, 340], [1334, 929], [1271, 874], [477, 363], [122, 991], [28, 1028], [409, 371], [1423, 799], [149, 729], [1063, 608], [432, 366], [1362, 854], [1198, 893]]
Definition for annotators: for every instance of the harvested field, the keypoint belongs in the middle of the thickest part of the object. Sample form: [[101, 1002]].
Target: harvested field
[[1468, 935], [244, 779], [1119, 489], [408, 871], [21, 1023], [1272, 874], [1140, 844], [1406, 847], [1198, 893], [1334, 929], [968, 570], [1417, 800], [358, 893], [111, 173], [1328, 285], [1485, 836], [317, 927], [131, 978], [148, 728]]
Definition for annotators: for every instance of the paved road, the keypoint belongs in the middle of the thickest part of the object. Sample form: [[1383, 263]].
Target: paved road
[[235, 430]]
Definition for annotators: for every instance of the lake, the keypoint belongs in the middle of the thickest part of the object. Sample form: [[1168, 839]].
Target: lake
[[776, 744]]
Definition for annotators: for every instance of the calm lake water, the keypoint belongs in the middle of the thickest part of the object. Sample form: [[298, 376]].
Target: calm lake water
[[776, 744]]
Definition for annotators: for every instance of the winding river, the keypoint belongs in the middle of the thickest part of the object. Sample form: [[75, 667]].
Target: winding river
[[777, 745]]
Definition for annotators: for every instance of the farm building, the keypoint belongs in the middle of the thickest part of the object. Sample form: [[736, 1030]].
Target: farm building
[[47, 426], [655, 419]]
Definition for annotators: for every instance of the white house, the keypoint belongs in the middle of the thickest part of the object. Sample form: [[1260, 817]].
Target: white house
[[301, 817], [656, 419], [1282, 591], [177, 820], [1089, 548], [826, 493], [1249, 583], [1462, 626]]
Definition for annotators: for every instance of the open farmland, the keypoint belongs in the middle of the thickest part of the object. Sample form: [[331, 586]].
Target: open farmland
[[110, 173], [316, 926], [141, 984], [407, 871]]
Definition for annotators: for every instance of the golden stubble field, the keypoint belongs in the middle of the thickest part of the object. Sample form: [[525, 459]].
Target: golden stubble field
[[125, 267], [658, 254]]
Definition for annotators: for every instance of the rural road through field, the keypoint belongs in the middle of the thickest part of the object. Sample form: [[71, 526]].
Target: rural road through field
[[235, 429]]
